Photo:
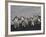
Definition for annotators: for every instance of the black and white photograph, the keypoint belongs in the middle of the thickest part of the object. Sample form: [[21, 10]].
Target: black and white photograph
[[25, 18]]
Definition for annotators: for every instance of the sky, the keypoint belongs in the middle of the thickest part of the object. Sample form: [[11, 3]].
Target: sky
[[25, 11]]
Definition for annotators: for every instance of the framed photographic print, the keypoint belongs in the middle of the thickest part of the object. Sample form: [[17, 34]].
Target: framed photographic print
[[25, 18]]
